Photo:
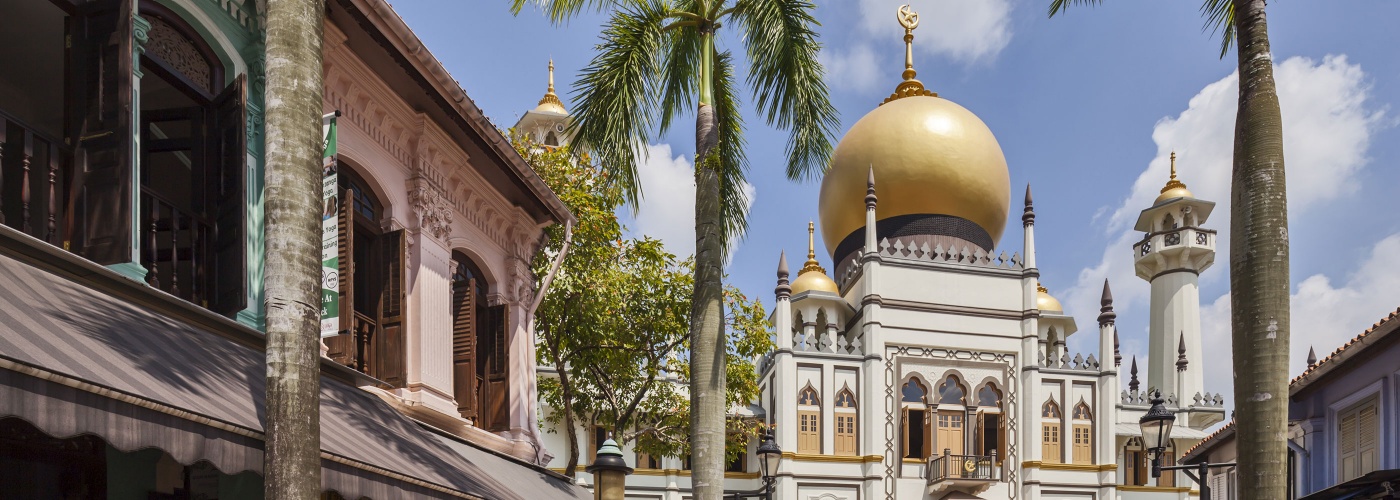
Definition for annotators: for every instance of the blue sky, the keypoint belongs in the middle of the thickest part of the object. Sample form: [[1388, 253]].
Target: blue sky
[[1086, 107]]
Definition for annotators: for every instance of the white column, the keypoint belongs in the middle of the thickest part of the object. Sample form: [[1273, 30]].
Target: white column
[[429, 323], [1175, 313]]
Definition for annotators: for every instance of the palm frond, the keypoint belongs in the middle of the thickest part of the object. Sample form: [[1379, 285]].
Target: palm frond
[[1220, 18], [729, 155], [615, 93], [679, 78], [787, 80], [1060, 6], [560, 11]]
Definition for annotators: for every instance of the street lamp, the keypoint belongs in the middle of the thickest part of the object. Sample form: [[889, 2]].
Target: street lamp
[[609, 472], [1157, 431], [770, 456], [1156, 427]]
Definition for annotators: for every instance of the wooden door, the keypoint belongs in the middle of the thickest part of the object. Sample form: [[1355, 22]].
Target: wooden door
[[496, 363], [99, 126], [390, 354], [1050, 443], [809, 434], [949, 432], [226, 199], [464, 354]]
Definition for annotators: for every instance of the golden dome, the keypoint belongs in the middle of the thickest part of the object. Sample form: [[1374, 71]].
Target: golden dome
[[1045, 302], [812, 277], [550, 103], [1174, 188], [929, 156]]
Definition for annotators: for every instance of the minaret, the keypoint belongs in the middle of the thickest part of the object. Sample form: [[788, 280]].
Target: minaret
[[547, 124], [1028, 223], [1173, 252]]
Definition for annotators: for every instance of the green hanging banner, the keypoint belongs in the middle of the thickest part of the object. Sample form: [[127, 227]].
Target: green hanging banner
[[330, 230]]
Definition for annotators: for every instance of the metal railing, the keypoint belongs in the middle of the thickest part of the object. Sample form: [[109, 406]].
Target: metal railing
[[975, 467]]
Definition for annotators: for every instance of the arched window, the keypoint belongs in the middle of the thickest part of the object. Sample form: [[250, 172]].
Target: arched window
[[949, 434], [372, 266], [1083, 428], [479, 357], [1168, 222], [1050, 417], [845, 423], [914, 420], [809, 421], [991, 423]]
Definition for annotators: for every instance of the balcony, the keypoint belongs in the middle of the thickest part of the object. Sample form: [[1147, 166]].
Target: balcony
[[970, 474]]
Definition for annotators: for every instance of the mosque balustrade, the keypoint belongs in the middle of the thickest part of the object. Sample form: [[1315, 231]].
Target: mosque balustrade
[[1135, 397], [1063, 362], [809, 338], [1178, 238], [967, 255]]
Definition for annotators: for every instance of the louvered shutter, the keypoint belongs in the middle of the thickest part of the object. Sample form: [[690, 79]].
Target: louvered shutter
[[390, 354], [1368, 439], [341, 348], [1346, 451], [464, 322], [101, 65], [907, 438], [225, 191], [497, 397]]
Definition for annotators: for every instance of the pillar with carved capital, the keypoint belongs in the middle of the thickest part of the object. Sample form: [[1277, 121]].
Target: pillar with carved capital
[[429, 339]]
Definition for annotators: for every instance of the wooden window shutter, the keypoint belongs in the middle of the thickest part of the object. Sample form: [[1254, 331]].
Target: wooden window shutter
[[464, 354], [908, 441], [225, 189], [808, 432], [1346, 448], [497, 391], [1168, 476], [1083, 447], [341, 348], [1368, 439], [101, 64], [390, 353], [1050, 443]]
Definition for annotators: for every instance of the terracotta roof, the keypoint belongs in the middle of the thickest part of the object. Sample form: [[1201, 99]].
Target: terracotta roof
[[1326, 364], [1347, 350]]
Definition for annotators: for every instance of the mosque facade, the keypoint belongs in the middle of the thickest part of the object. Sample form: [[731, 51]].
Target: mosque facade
[[930, 361]]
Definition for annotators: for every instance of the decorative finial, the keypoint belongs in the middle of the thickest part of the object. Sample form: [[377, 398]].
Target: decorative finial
[[549, 96], [870, 198], [1117, 355], [1028, 215], [1181, 353], [909, 87], [1312, 358], [1040, 288], [1106, 314], [811, 264], [1173, 183], [1133, 380], [784, 289]]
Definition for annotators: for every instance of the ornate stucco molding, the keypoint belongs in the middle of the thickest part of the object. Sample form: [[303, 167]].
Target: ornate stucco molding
[[430, 208]]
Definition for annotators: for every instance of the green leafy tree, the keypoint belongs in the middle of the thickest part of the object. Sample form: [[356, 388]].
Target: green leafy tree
[[292, 461], [657, 60], [1259, 281], [616, 322]]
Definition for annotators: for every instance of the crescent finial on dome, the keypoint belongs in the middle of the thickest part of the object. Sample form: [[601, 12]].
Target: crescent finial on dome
[[910, 86]]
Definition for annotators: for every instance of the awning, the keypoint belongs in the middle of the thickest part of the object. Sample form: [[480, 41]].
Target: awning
[[1376, 484], [76, 360], [1178, 432]]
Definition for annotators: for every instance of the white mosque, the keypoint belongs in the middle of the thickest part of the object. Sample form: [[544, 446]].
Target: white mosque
[[931, 363]]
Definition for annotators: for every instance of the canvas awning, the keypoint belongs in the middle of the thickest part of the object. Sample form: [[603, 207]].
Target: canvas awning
[[1178, 432], [79, 360]]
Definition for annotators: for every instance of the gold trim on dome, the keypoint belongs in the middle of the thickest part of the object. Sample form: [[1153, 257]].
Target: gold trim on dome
[[550, 101], [1173, 183], [910, 87]]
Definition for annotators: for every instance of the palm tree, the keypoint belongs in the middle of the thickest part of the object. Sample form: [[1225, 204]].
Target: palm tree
[[1259, 281], [658, 60], [292, 461]]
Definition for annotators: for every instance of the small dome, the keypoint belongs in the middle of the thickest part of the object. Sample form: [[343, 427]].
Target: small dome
[[550, 103], [1045, 302], [1174, 187], [813, 277]]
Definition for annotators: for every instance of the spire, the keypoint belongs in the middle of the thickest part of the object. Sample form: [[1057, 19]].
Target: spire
[[1028, 215], [1181, 353], [1133, 380], [1173, 183], [550, 101], [783, 290], [811, 264], [1106, 314], [1312, 358], [870, 189], [910, 86], [1117, 356]]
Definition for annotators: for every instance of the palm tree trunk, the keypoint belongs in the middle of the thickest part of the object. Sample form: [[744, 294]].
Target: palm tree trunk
[[707, 342], [1259, 282], [292, 278]]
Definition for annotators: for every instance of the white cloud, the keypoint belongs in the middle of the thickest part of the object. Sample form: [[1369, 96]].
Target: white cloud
[[854, 69], [1328, 122], [1323, 316], [965, 31], [667, 209]]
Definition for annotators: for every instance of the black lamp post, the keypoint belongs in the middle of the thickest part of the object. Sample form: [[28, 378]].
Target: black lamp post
[[769, 458], [1156, 427]]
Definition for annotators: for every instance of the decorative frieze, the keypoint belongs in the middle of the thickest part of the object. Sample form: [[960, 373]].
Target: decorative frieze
[[430, 208]]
